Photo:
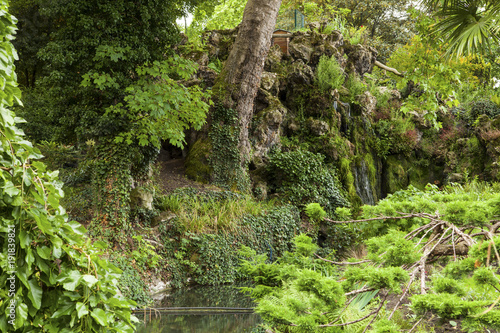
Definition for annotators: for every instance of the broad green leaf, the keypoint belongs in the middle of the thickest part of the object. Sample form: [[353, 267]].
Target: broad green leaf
[[43, 252], [10, 189], [64, 309], [35, 293], [21, 315], [72, 280], [90, 280], [81, 309], [100, 316]]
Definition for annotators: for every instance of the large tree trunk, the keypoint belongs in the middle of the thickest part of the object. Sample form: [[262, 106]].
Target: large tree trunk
[[239, 80]]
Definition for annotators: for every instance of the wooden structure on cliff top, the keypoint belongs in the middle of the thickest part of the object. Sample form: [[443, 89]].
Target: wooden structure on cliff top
[[289, 20], [281, 41]]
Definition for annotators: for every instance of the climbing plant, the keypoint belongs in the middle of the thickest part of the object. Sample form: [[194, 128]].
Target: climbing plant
[[225, 158], [302, 177], [52, 278]]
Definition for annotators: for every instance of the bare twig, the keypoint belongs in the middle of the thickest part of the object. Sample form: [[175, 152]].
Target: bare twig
[[343, 263], [371, 321], [405, 291], [416, 324], [359, 291], [453, 243], [375, 219], [422, 276]]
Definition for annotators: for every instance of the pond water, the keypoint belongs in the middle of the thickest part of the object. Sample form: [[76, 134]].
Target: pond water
[[192, 320]]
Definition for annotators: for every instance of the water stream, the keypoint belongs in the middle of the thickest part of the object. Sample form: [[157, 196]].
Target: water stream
[[193, 320], [362, 184]]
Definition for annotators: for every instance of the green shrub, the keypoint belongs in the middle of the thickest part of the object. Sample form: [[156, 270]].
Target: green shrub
[[392, 249], [483, 106], [484, 275], [385, 326], [479, 251], [52, 277], [329, 74], [130, 282], [459, 268], [315, 212], [301, 177], [355, 87], [448, 285]]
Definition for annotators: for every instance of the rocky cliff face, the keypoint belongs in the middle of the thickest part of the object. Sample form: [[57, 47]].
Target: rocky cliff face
[[374, 153]]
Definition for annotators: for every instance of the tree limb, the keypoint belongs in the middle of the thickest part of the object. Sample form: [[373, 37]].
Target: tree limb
[[390, 69]]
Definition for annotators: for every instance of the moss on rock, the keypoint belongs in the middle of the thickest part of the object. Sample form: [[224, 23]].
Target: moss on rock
[[197, 165]]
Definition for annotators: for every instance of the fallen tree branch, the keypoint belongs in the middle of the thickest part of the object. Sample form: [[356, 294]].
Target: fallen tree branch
[[376, 219], [343, 263], [418, 322], [390, 69], [359, 291], [405, 291]]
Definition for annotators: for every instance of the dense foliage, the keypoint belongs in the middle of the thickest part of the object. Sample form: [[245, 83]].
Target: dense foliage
[[53, 278], [201, 240], [107, 78], [292, 292], [302, 178]]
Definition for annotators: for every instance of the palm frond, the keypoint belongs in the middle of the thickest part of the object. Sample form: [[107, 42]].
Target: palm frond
[[468, 26]]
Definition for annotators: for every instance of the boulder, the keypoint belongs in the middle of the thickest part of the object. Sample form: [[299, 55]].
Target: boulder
[[394, 93], [141, 197], [300, 74], [361, 59], [269, 82], [300, 47], [207, 75], [196, 163], [318, 127], [273, 60], [368, 102], [455, 178], [163, 217], [267, 129]]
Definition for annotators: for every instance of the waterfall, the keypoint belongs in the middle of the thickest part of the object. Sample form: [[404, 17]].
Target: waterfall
[[362, 184]]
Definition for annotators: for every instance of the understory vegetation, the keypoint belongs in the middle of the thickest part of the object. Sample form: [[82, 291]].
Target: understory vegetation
[[359, 193], [436, 248]]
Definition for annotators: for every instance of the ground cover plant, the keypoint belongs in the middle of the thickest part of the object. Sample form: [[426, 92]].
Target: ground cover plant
[[435, 250]]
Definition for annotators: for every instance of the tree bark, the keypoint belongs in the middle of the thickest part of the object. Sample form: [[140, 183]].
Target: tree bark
[[240, 78]]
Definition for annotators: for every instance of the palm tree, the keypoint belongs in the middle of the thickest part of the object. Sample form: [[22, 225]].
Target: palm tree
[[468, 26]]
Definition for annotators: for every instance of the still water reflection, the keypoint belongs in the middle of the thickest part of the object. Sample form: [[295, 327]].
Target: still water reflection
[[213, 296]]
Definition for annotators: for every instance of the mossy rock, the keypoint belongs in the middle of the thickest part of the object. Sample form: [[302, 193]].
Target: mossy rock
[[197, 165], [401, 171], [396, 177]]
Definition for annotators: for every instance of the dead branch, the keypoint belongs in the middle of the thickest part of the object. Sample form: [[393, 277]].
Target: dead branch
[[375, 219], [390, 69], [418, 322], [405, 291], [343, 263], [359, 291], [422, 277], [371, 321]]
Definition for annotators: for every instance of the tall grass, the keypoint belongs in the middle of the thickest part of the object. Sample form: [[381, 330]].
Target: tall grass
[[212, 211]]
